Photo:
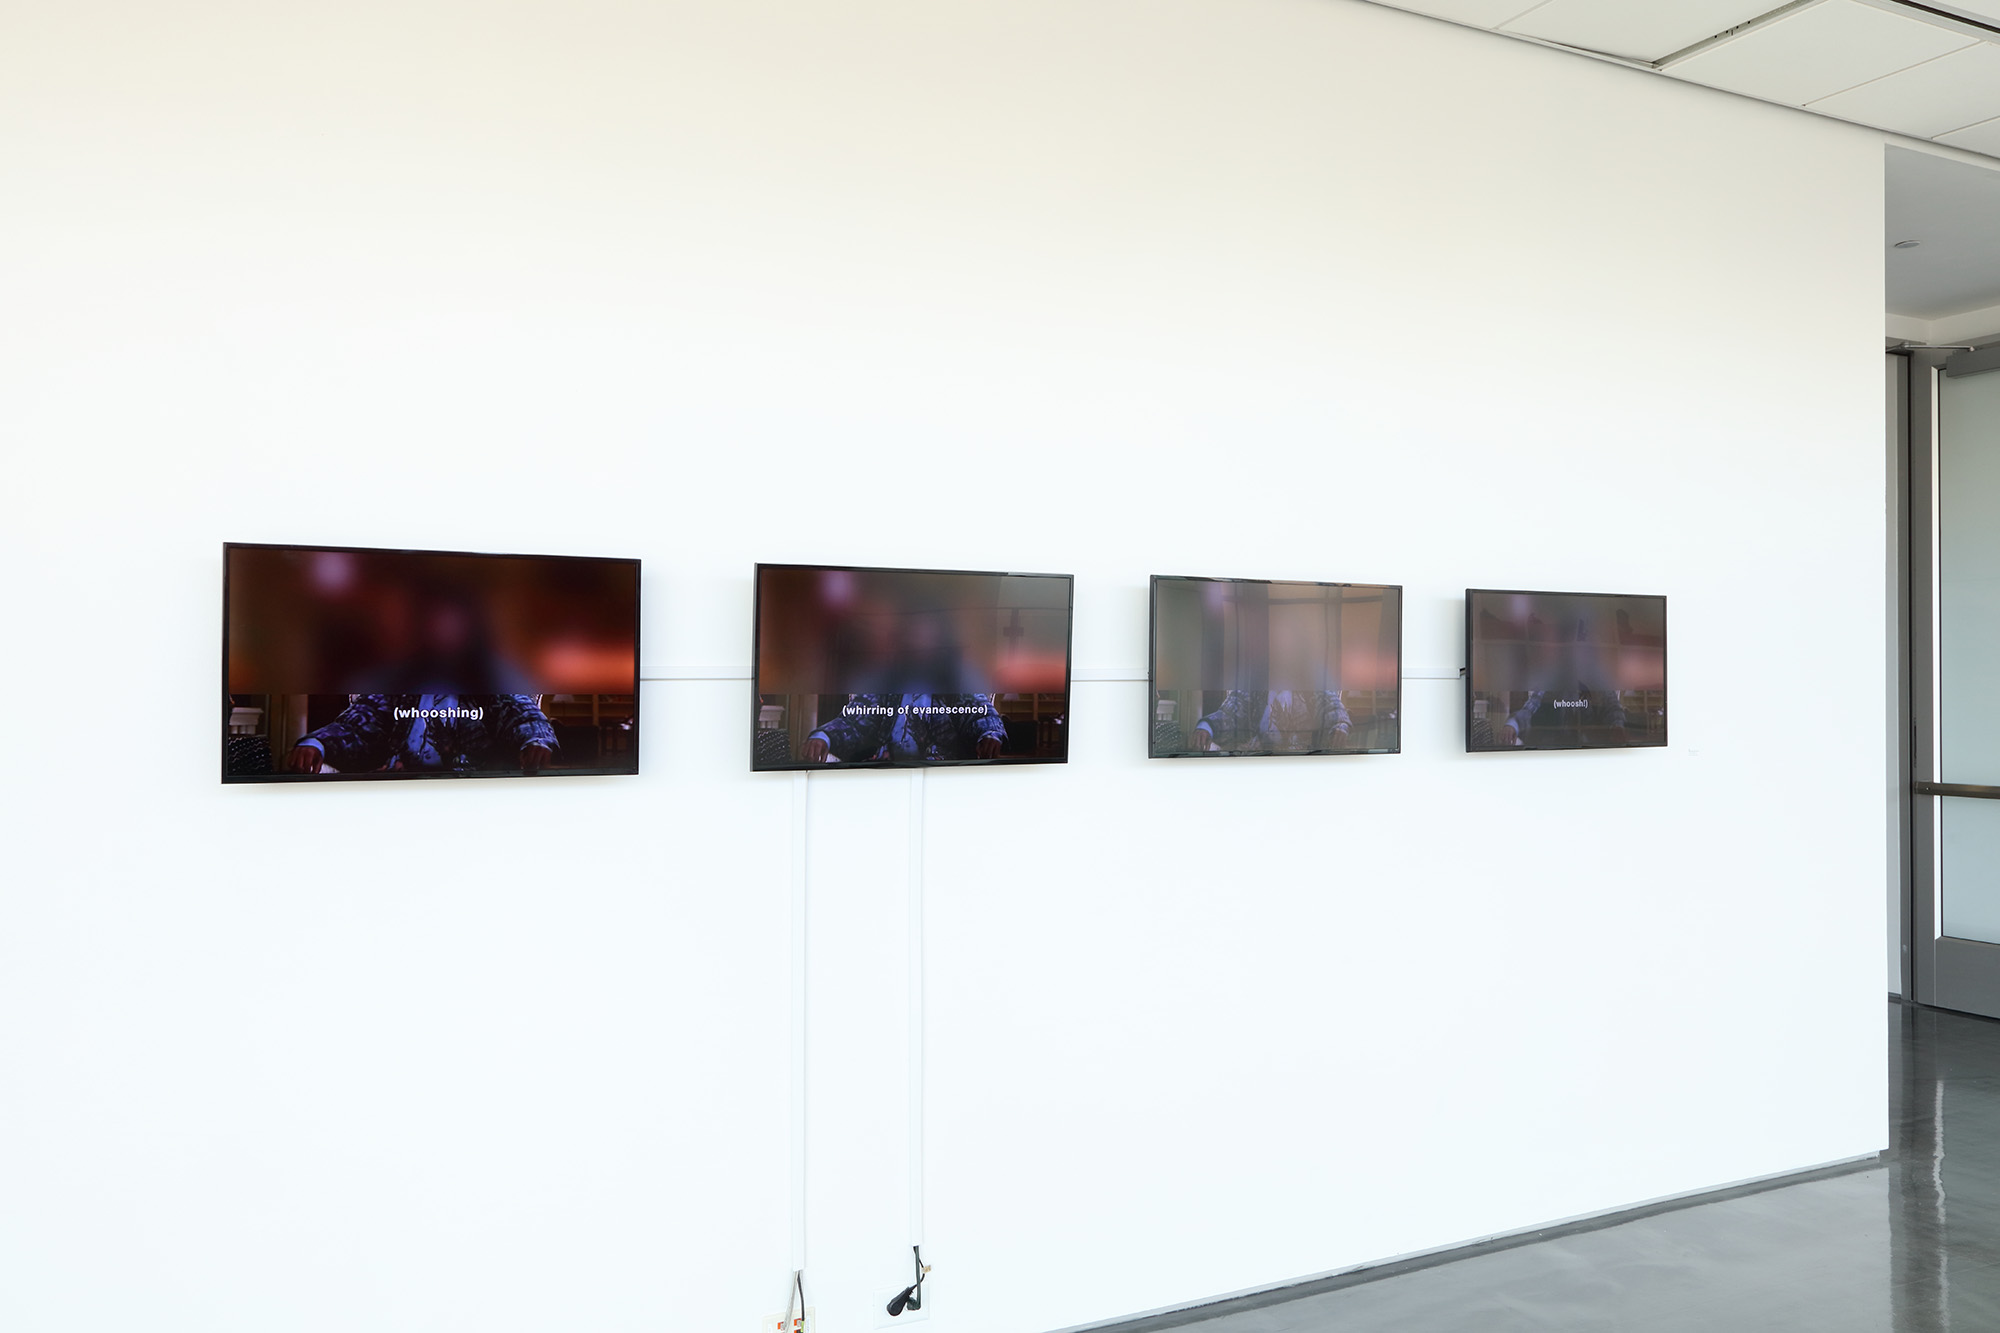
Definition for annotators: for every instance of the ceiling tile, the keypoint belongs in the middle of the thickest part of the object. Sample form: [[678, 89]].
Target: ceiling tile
[[1479, 13], [1818, 52], [1946, 94], [1638, 29], [1981, 138]]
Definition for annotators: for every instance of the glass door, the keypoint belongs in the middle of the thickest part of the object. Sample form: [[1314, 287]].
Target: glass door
[[1955, 752]]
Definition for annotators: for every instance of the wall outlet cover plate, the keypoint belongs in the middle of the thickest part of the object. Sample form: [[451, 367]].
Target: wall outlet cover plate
[[806, 1323]]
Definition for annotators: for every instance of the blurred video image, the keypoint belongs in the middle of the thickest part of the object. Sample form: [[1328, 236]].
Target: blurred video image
[[395, 664], [1564, 671], [883, 667], [1254, 667]]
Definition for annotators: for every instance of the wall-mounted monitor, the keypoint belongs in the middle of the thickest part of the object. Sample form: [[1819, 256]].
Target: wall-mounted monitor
[[358, 663], [1264, 667], [1564, 670], [881, 668]]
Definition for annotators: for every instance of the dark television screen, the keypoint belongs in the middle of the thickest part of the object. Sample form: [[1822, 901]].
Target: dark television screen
[[1564, 670], [898, 667], [1260, 667], [347, 662]]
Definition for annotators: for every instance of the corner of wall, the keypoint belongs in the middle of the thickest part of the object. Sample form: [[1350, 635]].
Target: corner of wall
[[1971, 326], [1908, 328]]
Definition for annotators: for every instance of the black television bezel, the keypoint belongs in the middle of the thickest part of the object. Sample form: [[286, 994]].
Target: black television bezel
[[799, 766], [1665, 688], [1153, 669], [400, 775]]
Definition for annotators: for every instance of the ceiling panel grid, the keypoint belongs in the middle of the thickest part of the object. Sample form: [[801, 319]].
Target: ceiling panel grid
[[1635, 29], [1930, 69], [1934, 98], [1473, 13], [1981, 138], [1817, 52]]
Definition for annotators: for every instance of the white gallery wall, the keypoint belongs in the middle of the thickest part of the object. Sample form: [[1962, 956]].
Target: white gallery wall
[[1268, 288]]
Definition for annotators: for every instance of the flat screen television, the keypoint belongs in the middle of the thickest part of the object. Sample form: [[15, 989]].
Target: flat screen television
[[1564, 670], [1245, 667], [889, 668], [343, 662]]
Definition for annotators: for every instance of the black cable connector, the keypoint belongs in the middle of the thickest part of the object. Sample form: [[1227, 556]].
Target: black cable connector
[[912, 1296]]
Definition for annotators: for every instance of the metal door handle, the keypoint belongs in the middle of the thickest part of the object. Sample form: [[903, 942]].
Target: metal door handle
[[1956, 789]]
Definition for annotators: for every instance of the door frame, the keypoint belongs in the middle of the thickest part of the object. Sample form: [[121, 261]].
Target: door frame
[[1906, 517], [1936, 969]]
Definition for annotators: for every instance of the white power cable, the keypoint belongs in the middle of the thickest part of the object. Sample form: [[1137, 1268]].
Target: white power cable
[[916, 1006], [801, 790]]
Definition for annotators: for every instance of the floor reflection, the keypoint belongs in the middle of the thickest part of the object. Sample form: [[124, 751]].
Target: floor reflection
[[1944, 1102], [1912, 1245]]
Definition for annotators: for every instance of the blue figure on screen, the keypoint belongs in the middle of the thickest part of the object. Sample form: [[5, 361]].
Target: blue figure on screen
[[1598, 708], [1561, 696], [430, 733], [1276, 721], [1284, 696], [909, 728]]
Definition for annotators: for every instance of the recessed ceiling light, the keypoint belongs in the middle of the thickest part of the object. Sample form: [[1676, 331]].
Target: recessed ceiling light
[[1908, 245]]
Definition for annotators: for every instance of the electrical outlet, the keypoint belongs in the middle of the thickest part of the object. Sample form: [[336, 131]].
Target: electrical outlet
[[805, 1323], [883, 1319]]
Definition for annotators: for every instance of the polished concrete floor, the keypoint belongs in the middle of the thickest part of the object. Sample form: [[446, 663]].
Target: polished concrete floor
[[1910, 1244]]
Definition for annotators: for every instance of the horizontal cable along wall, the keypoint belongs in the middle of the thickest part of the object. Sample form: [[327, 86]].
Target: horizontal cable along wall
[[1079, 676]]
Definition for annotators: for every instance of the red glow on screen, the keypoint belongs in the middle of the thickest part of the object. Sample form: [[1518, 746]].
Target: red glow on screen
[[344, 621]]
